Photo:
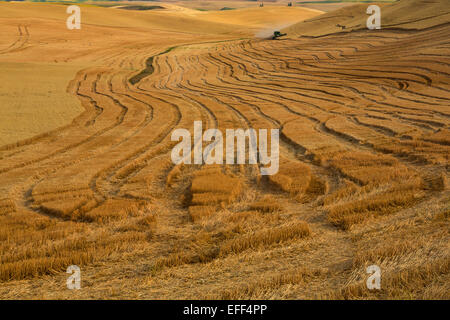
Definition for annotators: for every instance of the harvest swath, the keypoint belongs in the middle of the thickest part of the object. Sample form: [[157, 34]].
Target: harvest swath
[[364, 157]]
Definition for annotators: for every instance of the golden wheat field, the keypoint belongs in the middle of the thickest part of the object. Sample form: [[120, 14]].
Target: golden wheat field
[[86, 176]]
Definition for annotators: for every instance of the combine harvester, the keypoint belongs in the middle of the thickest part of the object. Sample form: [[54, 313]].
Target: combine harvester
[[278, 34]]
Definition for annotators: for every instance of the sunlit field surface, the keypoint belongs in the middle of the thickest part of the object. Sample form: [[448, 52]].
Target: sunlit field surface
[[86, 176]]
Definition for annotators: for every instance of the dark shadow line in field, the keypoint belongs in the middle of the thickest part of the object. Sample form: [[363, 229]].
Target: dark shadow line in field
[[149, 69]]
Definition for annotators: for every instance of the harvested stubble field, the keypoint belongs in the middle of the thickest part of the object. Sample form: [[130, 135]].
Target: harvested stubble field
[[364, 153]]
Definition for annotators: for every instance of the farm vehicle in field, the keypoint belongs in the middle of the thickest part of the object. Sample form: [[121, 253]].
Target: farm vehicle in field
[[277, 34]]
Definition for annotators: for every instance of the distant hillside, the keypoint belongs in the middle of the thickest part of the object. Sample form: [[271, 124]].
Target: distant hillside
[[406, 14]]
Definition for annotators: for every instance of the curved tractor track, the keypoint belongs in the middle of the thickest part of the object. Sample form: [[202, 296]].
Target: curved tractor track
[[364, 124]]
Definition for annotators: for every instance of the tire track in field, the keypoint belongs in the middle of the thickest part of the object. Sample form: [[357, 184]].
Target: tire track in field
[[231, 73], [22, 40], [119, 119]]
